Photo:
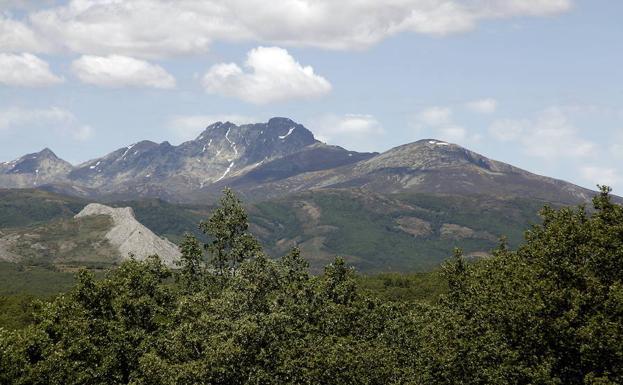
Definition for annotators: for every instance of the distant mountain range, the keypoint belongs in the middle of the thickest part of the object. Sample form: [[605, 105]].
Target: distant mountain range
[[277, 158], [401, 210]]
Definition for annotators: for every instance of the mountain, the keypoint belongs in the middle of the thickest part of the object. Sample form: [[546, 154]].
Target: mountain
[[98, 236], [426, 166], [34, 170], [401, 210], [199, 167], [273, 159]]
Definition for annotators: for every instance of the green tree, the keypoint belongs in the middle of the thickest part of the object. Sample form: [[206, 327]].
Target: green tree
[[231, 242], [550, 312], [191, 274]]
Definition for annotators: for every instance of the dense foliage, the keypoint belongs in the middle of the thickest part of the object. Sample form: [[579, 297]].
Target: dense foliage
[[550, 312]]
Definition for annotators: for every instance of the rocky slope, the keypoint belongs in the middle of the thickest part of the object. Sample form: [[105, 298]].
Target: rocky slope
[[98, 236], [34, 170], [427, 166], [267, 160], [130, 237]]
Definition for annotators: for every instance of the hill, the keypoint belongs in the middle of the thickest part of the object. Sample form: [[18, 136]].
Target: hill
[[375, 232], [97, 237]]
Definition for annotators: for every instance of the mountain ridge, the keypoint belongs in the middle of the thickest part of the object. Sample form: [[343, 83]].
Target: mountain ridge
[[276, 158]]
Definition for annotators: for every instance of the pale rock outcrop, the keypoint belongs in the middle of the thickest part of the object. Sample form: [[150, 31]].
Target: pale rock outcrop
[[130, 236]]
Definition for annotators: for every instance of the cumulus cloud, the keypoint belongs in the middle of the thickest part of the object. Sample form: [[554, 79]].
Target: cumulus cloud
[[352, 131], [507, 130], [188, 127], [456, 134], [271, 74], [103, 27], [435, 116], [121, 71], [26, 70], [551, 135], [59, 120], [438, 122], [617, 150], [483, 106], [16, 36]]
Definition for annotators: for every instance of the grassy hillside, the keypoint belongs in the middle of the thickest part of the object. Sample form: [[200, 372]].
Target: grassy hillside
[[390, 233], [375, 233], [23, 207], [61, 243], [35, 281]]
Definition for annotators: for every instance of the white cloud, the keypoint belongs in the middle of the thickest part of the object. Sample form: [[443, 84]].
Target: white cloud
[[103, 27], [26, 70], [190, 126], [456, 134], [352, 131], [438, 122], [594, 175], [507, 130], [483, 106], [617, 150], [551, 135], [121, 71], [56, 119], [80, 133], [15, 36], [271, 75], [435, 116]]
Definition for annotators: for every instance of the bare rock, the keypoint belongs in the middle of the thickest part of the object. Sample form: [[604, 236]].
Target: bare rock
[[414, 226], [130, 236]]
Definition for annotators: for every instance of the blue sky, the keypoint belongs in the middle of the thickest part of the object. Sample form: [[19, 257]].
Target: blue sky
[[535, 83]]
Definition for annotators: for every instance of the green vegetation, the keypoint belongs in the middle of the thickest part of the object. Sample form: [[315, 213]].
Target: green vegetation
[[400, 287], [550, 312], [26, 207], [17, 311], [18, 279], [360, 226], [364, 227], [67, 242]]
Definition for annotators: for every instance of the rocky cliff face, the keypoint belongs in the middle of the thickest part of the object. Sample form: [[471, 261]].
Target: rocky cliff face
[[223, 150], [34, 170], [130, 237], [276, 158], [98, 236]]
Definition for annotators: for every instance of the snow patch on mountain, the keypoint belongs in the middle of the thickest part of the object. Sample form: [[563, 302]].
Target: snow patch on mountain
[[282, 137]]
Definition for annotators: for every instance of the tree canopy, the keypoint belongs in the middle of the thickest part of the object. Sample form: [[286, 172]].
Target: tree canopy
[[550, 312]]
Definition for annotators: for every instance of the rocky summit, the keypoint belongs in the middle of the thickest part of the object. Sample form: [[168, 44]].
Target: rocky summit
[[276, 158], [34, 170]]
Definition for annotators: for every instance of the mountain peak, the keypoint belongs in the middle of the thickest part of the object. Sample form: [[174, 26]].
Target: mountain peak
[[34, 169], [46, 152], [434, 142], [280, 120]]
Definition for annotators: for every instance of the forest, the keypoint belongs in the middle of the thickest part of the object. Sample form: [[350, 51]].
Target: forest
[[547, 312]]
